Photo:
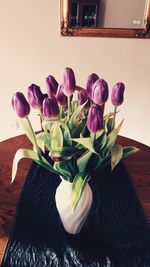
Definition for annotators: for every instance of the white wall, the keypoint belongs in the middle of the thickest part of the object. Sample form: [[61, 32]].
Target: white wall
[[31, 48]]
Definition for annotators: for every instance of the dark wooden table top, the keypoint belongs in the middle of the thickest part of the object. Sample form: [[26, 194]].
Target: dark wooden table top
[[138, 166]]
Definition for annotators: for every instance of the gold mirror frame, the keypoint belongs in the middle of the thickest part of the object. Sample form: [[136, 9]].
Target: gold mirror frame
[[66, 30]]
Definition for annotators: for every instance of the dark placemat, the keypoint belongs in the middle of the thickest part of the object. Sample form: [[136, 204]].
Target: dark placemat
[[115, 234]]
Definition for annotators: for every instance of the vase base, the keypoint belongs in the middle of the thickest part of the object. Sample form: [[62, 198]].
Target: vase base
[[73, 221]]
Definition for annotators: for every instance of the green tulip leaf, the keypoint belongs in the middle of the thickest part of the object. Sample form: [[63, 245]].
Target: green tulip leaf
[[46, 164], [103, 162], [26, 125], [127, 151], [79, 129], [20, 154], [42, 141], [65, 169], [110, 115], [74, 105], [64, 152], [109, 125], [87, 142], [78, 186], [111, 139], [48, 124], [100, 141], [66, 135], [94, 162], [116, 155], [56, 136], [99, 133], [30, 154], [74, 118], [82, 161]]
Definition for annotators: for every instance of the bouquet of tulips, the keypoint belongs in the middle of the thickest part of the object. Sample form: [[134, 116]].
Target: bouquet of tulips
[[77, 136]]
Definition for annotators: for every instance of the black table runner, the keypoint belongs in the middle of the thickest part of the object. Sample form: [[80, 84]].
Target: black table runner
[[115, 233]]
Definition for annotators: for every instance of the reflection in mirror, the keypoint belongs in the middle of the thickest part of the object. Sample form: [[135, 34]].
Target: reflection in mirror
[[102, 13], [84, 13], [106, 18]]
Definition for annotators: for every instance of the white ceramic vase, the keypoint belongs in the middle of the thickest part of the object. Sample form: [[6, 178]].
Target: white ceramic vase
[[72, 221]]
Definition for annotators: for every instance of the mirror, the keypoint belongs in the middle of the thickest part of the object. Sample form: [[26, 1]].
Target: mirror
[[106, 18]]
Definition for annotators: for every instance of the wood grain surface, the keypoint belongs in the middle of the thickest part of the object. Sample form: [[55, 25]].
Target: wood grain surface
[[138, 166]]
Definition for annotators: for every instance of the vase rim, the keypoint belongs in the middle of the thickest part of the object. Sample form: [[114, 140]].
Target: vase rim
[[63, 179]]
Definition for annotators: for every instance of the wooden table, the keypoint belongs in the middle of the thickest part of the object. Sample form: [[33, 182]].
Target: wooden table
[[138, 166]]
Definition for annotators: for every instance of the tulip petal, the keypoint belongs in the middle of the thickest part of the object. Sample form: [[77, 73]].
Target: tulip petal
[[90, 82], [117, 94], [51, 85], [69, 82], [100, 92], [95, 118], [20, 105], [35, 96]]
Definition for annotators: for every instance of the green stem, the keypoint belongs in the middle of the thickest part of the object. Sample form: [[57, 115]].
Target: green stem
[[113, 121], [34, 138], [103, 107], [93, 135], [69, 108], [61, 111], [41, 119]]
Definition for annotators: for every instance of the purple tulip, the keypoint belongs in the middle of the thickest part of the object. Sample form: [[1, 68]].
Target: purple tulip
[[90, 82], [20, 105], [50, 107], [52, 85], [95, 118], [55, 159], [61, 97], [117, 94], [69, 82], [35, 96], [100, 92], [83, 97]]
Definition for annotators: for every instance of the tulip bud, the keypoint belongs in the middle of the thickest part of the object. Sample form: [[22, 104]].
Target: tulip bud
[[95, 118], [50, 107], [55, 159], [69, 82], [20, 105], [90, 82], [52, 85], [35, 96], [61, 97], [117, 94], [100, 92], [83, 97]]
